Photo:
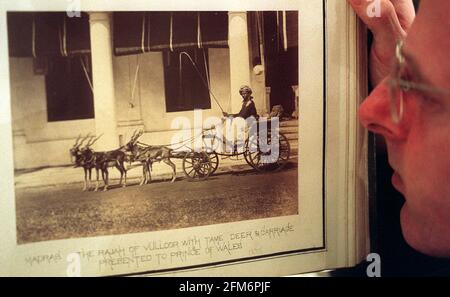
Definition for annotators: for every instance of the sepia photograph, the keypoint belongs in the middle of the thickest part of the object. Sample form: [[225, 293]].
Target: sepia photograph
[[166, 139], [139, 121], [257, 138]]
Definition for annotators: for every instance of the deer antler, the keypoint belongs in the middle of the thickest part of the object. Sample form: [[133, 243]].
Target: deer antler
[[91, 142], [76, 141], [139, 134], [84, 138], [134, 135]]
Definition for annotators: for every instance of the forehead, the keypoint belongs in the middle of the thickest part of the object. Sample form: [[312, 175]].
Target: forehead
[[428, 42]]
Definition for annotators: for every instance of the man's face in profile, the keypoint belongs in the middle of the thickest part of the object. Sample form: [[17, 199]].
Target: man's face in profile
[[419, 145], [245, 95]]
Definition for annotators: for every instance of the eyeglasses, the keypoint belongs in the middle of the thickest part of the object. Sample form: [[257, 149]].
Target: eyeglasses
[[398, 85]]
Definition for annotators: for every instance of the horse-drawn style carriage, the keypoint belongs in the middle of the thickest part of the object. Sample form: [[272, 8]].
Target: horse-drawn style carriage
[[200, 163], [197, 164]]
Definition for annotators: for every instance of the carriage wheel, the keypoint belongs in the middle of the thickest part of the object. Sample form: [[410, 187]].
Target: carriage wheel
[[247, 154], [214, 159], [197, 166], [264, 161], [209, 149]]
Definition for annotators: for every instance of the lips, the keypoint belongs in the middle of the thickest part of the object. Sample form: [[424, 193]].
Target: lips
[[397, 182]]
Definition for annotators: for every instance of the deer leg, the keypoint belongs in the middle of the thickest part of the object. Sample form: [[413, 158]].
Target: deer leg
[[104, 176], [144, 174], [125, 173], [170, 163], [85, 179], [121, 170], [145, 167], [149, 170], [117, 165], [122, 175], [89, 180], [96, 183], [105, 188]]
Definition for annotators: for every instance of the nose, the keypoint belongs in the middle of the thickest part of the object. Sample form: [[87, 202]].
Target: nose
[[375, 114]]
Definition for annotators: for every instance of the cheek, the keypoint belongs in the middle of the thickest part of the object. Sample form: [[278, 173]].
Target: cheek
[[426, 166], [425, 217]]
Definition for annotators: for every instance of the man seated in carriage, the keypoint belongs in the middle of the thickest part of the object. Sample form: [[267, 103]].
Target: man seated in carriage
[[248, 110]]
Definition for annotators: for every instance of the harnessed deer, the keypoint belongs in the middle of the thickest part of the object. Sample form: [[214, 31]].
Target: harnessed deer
[[76, 153], [147, 155], [102, 161]]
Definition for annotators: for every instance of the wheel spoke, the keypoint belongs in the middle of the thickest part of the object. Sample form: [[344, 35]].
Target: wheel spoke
[[189, 173], [204, 170], [257, 155], [254, 158]]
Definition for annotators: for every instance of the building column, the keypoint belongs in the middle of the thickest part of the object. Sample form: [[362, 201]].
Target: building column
[[239, 56], [103, 80]]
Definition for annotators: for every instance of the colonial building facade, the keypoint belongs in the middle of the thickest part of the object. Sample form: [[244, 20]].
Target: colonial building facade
[[110, 73]]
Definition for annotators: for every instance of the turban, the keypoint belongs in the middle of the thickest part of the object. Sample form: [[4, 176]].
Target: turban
[[245, 89]]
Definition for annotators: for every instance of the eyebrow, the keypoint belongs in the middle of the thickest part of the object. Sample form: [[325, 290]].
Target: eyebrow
[[416, 71], [427, 86]]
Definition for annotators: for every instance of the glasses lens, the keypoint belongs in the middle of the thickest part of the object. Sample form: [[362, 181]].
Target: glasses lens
[[396, 101]]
